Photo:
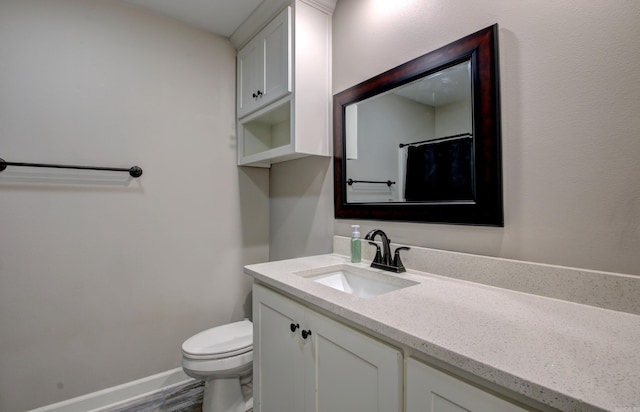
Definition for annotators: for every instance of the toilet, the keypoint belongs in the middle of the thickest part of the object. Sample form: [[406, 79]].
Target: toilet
[[223, 358]]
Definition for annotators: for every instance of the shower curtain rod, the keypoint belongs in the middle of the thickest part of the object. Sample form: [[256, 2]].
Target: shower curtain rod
[[440, 139], [134, 171]]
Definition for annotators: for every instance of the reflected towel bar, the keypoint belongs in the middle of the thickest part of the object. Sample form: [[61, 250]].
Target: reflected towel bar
[[134, 171], [388, 182]]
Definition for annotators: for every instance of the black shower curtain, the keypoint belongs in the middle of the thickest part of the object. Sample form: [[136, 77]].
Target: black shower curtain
[[439, 171]]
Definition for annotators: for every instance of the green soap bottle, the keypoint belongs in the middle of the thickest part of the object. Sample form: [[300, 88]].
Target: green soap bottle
[[356, 248]]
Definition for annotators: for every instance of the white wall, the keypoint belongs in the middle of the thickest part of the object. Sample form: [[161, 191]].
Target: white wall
[[454, 118], [570, 87], [100, 285], [300, 210], [380, 131]]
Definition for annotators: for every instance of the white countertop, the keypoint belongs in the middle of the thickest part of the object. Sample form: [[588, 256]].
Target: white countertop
[[566, 355]]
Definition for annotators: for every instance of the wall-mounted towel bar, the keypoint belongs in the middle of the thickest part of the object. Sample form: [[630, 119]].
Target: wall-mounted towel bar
[[134, 171], [388, 182], [441, 139]]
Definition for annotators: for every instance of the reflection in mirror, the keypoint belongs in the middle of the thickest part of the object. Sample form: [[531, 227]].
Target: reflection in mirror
[[421, 142], [418, 136]]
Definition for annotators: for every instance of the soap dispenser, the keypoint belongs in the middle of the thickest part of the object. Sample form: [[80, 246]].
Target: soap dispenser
[[356, 248]]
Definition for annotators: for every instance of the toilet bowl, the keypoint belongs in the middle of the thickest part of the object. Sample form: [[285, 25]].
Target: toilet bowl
[[223, 358]]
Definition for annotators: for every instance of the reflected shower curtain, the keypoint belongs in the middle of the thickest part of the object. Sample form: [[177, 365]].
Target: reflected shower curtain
[[439, 171]]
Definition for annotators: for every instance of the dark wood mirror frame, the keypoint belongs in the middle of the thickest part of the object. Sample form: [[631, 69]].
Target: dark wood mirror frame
[[481, 48]]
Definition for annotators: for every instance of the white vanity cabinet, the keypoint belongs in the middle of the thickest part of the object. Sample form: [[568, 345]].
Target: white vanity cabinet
[[284, 87], [304, 361], [430, 390]]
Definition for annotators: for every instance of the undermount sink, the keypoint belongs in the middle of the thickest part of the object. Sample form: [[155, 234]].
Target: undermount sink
[[357, 281]]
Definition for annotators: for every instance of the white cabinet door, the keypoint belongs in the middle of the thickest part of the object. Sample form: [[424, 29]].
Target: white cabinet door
[[351, 372], [304, 361], [430, 390], [264, 66], [278, 353], [250, 77], [277, 58]]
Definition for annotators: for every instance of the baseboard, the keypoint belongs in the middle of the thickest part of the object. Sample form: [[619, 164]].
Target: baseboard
[[169, 391]]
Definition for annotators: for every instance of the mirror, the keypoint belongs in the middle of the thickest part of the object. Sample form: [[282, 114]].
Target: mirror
[[417, 137], [421, 142]]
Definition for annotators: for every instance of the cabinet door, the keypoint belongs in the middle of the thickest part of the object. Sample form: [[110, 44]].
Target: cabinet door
[[264, 66], [278, 365], [250, 76], [351, 372], [430, 390], [277, 58]]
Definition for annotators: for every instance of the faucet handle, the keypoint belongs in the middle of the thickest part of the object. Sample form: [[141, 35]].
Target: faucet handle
[[378, 257], [397, 262]]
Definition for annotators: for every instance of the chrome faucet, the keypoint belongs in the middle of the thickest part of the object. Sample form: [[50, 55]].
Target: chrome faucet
[[384, 260]]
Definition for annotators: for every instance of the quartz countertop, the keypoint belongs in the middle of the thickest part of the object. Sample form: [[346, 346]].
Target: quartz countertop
[[566, 355]]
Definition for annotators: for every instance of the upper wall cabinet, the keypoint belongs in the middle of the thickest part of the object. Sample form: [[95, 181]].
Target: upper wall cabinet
[[284, 87], [264, 66]]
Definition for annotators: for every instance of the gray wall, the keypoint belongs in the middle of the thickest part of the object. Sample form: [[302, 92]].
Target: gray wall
[[101, 284], [569, 81], [383, 124]]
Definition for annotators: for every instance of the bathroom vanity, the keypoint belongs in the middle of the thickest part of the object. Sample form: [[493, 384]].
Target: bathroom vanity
[[427, 342]]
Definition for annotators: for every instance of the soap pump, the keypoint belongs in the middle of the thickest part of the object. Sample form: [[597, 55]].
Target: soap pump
[[356, 248]]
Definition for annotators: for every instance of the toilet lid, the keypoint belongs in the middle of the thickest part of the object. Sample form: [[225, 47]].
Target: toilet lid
[[222, 341]]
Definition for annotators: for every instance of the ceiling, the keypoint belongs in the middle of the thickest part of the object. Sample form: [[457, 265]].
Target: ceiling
[[218, 16], [442, 88]]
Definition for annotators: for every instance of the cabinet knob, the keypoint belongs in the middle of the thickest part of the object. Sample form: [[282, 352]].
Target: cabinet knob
[[257, 94], [294, 326], [306, 334]]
